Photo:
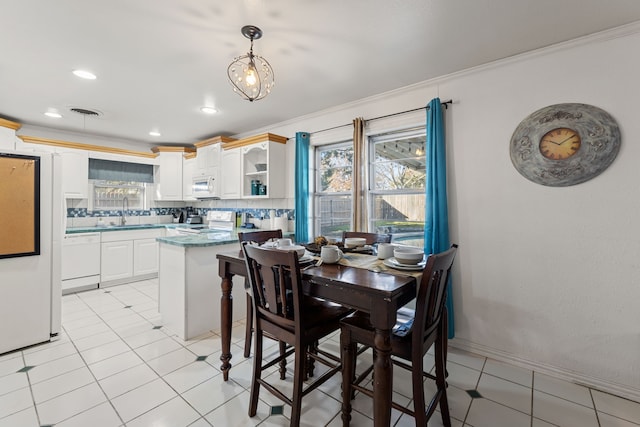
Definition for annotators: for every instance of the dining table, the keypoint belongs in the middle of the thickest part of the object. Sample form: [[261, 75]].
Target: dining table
[[359, 281]]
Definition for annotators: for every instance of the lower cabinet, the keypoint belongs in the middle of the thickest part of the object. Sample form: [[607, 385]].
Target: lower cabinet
[[116, 261], [145, 257], [129, 256]]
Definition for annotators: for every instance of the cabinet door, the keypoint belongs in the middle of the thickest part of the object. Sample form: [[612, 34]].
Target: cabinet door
[[169, 176], [231, 177], [75, 174], [208, 159], [116, 261], [188, 172], [145, 256]]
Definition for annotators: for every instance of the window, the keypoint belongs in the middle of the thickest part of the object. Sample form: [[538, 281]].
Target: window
[[109, 195], [112, 181], [397, 185], [334, 166]]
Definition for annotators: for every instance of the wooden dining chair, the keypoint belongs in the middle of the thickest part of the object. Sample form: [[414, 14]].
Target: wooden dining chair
[[371, 238], [259, 237], [282, 310], [415, 332]]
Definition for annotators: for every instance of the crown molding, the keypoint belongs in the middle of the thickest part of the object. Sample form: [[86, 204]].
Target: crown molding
[[87, 147]]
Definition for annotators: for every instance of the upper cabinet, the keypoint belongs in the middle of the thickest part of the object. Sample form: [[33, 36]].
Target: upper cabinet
[[188, 172], [230, 178], [8, 134], [262, 171], [75, 173], [168, 173]]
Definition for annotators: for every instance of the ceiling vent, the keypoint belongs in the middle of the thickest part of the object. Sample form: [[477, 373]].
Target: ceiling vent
[[86, 112]]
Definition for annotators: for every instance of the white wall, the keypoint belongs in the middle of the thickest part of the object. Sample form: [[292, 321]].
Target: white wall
[[546, 277]]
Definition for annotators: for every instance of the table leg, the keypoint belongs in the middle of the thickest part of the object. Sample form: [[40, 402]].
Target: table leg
[[383, 378], [226, 317]]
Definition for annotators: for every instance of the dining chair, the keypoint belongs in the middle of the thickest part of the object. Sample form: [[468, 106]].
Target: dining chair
[[259, 237], [282, 310], [371, 238], [414, 334]]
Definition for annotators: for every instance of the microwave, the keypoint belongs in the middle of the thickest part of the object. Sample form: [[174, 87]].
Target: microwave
[[205, 187]]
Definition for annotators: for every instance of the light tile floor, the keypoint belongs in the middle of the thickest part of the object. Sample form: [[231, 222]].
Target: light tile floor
[[115, 365]]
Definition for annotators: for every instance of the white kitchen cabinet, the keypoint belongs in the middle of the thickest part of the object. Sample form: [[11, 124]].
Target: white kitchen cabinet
[[168, 175], [116, 261], [129, 256], [230, 178], [145, 257], [75, 173], [207, 160], [188, 173], [264, 162], [8, 134]]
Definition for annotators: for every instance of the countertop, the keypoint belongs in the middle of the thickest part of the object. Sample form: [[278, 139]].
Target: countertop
[[202, 239], [95, 229]]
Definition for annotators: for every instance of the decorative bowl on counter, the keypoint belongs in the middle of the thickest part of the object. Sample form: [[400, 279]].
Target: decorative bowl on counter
[[261, 167]]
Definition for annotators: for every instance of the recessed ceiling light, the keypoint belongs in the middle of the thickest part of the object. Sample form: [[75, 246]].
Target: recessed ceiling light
[[53, 114], [84, 74], [208, 110], [154, 133]]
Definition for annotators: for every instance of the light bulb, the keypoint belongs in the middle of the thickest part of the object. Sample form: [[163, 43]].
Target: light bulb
[[250, 77]]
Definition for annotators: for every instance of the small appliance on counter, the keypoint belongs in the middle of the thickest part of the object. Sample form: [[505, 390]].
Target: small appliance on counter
[[194, 219], [221, 220]]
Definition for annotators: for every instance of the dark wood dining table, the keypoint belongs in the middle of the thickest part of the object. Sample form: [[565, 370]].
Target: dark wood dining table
[[365, 289]]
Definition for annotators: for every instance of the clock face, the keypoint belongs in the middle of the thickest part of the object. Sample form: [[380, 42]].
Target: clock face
[[560, 144], [564, 144]]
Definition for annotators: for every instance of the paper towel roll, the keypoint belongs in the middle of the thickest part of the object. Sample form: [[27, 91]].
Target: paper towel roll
[[282, 223]]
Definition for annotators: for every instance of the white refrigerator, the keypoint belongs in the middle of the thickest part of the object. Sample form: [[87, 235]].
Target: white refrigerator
[[30, 285]]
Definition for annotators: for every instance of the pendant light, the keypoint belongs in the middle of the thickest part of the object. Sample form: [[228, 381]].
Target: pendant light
[[251, 75]]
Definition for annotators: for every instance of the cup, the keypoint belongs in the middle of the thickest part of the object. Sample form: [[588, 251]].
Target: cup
[[385, 250], [330, 254], [284, 242]]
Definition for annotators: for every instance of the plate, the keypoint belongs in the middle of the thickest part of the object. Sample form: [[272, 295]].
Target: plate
[[305, 258], [391, 262]]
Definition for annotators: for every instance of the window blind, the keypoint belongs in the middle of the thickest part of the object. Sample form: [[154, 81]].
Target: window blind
[[110, 170]]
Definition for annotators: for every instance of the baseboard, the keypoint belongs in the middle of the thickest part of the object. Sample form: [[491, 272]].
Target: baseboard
[[574, 377], [128, 280]]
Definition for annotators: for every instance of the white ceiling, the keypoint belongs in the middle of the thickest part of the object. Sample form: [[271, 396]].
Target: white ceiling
[[159, 61]]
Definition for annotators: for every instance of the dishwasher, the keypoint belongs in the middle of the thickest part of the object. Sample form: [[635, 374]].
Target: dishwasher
[[80, 262]]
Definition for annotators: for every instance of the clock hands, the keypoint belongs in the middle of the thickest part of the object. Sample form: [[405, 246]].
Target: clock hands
[[559, 143]]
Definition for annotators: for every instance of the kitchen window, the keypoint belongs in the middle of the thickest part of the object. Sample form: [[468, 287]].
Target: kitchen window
[[334, 166], [112, 181], [109, 195]]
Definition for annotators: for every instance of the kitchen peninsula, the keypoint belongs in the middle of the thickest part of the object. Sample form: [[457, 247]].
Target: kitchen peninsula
[[189, 284]]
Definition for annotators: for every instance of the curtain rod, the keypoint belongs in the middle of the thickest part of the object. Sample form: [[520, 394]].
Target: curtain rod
[[445, 104]]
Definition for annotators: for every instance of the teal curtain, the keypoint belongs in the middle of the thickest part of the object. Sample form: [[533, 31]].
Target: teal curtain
[[302, 187], [436, 226]]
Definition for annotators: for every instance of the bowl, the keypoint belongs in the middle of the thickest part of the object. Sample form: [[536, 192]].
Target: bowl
[[407, 255], [354, 242], [261, 167], [299, 249]]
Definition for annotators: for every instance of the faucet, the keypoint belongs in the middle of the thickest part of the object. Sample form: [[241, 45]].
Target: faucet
[[125, 207]]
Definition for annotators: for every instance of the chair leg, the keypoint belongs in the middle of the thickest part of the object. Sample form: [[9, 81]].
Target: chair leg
[[249, 328], [257, 373], [298, 375], [283, 362], [441, 369], [348, 354]]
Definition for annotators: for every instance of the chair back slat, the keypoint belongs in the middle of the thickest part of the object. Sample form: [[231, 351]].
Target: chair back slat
[[275, 279], [432, 293]]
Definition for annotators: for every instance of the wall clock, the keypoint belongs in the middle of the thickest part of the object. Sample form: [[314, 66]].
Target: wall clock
[[564, 144]]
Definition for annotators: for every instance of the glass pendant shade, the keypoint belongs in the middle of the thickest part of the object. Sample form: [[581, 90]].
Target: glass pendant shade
[[251, 75]]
